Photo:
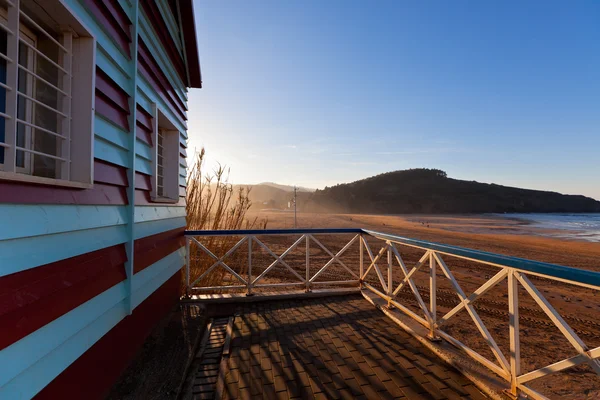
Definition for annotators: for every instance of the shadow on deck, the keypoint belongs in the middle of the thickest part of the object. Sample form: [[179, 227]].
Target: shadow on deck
[[330, 347]]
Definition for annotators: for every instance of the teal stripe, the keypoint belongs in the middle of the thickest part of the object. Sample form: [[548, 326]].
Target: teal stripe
[[32, 362], [160, 55], [165, 10], [145, 87], [143, 166], [110, 132], [153, 213], [102, 38], [143, 100], [20, 221], [25, 253], [144, 229], [175, 262], [143, 150], [112, 69], [107, 151], [127, 8]]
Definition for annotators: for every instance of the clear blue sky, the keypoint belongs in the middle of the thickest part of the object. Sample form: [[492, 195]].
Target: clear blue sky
[[316, 93]]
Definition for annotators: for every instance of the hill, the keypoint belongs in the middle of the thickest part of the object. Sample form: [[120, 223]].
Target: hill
[[432, 191], [286, 188], [271, 195]]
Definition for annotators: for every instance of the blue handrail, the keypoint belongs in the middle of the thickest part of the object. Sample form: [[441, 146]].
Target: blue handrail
[[550, 270], [241, 232]]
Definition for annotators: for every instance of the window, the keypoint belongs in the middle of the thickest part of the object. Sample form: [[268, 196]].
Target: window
[[48, 56], [166, 159]]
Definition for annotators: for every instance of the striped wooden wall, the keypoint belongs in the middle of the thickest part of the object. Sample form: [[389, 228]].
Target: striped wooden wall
[[63, 291]]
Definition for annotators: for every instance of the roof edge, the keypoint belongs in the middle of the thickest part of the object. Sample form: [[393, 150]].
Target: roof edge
[[188, 26]]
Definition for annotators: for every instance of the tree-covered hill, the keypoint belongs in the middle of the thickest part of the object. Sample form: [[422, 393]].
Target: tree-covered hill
[[431, 191]]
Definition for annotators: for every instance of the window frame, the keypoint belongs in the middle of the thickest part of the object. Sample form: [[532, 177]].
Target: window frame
[[78, 149], [170, 165]]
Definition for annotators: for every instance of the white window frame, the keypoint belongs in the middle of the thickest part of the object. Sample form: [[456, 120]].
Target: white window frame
[[164, 126], [75, 130]]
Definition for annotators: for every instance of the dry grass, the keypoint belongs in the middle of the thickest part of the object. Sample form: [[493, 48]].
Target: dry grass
[[213, 204]]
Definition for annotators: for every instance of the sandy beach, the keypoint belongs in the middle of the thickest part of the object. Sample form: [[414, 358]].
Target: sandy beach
[[542, 342]]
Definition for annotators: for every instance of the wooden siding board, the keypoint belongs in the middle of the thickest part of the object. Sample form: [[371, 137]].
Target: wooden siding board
[[144, 229], [160, 56], [31, 363], [23, 193], [113, 20], [111, 67], [143, 182], [152, 213], [37, 220], [108, 152], [104, 362], [108, 110], [153, 248], [153, 74], [151, 96], [110, 133], [16, 255], [48, 292], [142, 165], [144, 151], [109, 173], [158, 24]]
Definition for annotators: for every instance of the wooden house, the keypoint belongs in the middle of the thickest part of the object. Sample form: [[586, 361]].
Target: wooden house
[[93, 103]]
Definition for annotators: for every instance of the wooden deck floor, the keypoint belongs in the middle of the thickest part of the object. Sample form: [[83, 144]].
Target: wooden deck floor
[[332, 347]]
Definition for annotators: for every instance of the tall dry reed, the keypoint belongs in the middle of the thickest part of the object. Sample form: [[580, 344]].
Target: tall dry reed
[[212, 203]]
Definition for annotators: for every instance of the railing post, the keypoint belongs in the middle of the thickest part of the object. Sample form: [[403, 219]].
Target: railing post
[[390, 278], [432, 297], [249, 284], [361, 266], [187, 266], [307, 263], [515, 346]]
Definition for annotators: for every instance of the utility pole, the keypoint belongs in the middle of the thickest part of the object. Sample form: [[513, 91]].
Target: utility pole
[[295, 220]]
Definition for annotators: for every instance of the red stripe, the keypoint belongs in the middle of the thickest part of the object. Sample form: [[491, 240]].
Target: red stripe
[[119, 15], [93, 374], [99, 194], [165, 93], [143, 134], [145, 57], [144, 118], [33, 298], [111, 112], [111, 24], [144, 126], [112, 91], [153, 248], [143, 181], [111, 174], [158, 23]]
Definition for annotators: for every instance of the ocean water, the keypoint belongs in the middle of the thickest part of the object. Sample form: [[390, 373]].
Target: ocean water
[[568, 226]]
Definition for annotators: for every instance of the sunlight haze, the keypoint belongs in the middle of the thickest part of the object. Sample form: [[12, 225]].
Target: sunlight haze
[[316, 93]]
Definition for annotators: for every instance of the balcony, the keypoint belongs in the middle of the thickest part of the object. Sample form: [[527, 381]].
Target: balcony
[[351, 313]]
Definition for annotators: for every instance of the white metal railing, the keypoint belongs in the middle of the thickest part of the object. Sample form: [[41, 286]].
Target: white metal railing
[[381, 281], [250, 280]]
